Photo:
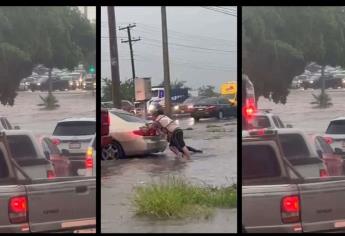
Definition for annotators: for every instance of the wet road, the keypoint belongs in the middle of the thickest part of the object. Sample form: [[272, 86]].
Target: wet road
[[300, 113], [28, 115], [217, 165]]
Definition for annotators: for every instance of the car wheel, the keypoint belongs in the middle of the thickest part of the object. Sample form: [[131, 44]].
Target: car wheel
[[196, 119], [112, 151], [220, 115]]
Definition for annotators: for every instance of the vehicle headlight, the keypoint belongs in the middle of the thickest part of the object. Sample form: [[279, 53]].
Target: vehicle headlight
[[38, 84], [77, 83], [312, 81], [70, 83], [27, 83], [94, 84], [343, 80], [176, 107], [190, 106]]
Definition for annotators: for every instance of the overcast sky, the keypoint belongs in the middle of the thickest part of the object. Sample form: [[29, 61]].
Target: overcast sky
[[202, 44]]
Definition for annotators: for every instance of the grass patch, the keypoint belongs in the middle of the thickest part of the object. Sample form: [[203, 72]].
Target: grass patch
[[176, 198], [212, 126], [216, 130]]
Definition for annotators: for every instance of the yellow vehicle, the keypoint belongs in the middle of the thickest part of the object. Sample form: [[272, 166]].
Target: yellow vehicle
[[229, 90]]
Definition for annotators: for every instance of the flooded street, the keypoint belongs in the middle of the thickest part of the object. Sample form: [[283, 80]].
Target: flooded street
[[28, 116], [216, 166], [300, 113]]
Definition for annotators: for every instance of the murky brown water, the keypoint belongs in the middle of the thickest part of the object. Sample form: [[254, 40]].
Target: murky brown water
[[217, 165], [28, 115]]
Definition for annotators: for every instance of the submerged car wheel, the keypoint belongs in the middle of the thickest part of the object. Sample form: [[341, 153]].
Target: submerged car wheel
[[112, 151]]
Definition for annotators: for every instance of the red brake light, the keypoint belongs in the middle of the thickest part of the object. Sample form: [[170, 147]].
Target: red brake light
[[89, 158], [105, 121], [290, 209], [323, 173], [145, 132], [328, 140], [51, 174], [17, 209], [56, 141], [89, 163]]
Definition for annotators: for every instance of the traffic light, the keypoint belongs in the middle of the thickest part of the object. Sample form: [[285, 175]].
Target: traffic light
[[92, 69]]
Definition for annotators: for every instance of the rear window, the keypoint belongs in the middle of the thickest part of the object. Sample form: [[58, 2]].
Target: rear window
[[336, 127], [128, 117], [209, 101], [259, 161], [3, 166], [260, 122], [294, 146], [22, 147], [75, 128]]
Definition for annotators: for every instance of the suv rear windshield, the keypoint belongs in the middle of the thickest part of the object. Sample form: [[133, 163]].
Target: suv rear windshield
[[128, 117], [294, 146], [260, 122], [75, 128], [21, 147], [336, 127], [259, 161]]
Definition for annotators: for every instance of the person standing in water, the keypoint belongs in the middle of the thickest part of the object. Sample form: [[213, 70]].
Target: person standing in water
[[173, 132]]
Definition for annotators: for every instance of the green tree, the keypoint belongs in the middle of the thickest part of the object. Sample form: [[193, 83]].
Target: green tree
[[279, 41], [127, 90], [207, 91]]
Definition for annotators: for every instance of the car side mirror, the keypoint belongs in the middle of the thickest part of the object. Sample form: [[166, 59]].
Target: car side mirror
[[47, 155], [338, 151], [65, 152], [17, 127], [289, 126]]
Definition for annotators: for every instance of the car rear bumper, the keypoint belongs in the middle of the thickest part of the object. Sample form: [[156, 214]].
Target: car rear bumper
[[144, 146]]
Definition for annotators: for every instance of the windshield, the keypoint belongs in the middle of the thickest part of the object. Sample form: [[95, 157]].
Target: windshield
[[208, 101], [294, 146], [26, 150], [75, 128], [336, 127]]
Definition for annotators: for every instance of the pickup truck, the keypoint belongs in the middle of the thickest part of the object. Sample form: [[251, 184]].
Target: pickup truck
[[277, 199], [43, 205]]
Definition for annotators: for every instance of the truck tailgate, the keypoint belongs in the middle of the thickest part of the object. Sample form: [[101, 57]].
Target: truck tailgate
[[62, 205], [262, 211], [6, 192], [322, 204]]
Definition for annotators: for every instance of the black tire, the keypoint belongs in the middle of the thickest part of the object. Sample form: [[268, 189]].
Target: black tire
[[112, 151], [196, 119]]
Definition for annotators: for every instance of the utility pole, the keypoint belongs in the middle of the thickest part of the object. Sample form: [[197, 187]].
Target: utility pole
[[114, 58], [167, 95], [85, 11], [129, 41]]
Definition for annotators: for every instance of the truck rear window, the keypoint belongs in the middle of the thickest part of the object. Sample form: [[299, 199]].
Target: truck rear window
[[294, 146], [21, 147], [259, 161], [128, 117], [336, 127], [75, 128], [3, 166]]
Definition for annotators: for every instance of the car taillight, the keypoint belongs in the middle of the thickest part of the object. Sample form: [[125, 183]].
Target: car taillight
[[51, 174], [328, 140], [89, 158], [17, 209], [105, 121], [249, 109], [323, 173], [290, 209], [145, 132], [56, 141]]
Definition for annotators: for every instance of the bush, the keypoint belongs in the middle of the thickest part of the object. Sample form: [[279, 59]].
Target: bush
[[322, 101]]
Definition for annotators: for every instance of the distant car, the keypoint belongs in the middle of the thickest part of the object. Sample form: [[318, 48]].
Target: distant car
[[28, 154], [131, 135], [335, 134], [89, 83], [333, 161], [213, 107], [74, 135], [127, 106], [266, 119], [42, 84], [188, 105], [107, 104], [52, 153]]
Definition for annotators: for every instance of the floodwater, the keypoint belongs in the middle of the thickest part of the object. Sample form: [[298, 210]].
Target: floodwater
[[29, 116], [216, 166], [300, 113]]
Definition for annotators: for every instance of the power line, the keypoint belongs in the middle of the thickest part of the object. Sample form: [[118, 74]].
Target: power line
[[220, 10]]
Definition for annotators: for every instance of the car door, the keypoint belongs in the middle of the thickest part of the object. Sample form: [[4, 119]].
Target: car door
[[62, 204]]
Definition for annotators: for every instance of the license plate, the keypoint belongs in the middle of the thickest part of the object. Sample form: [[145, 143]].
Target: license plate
[[84, 231], [74, 145]]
